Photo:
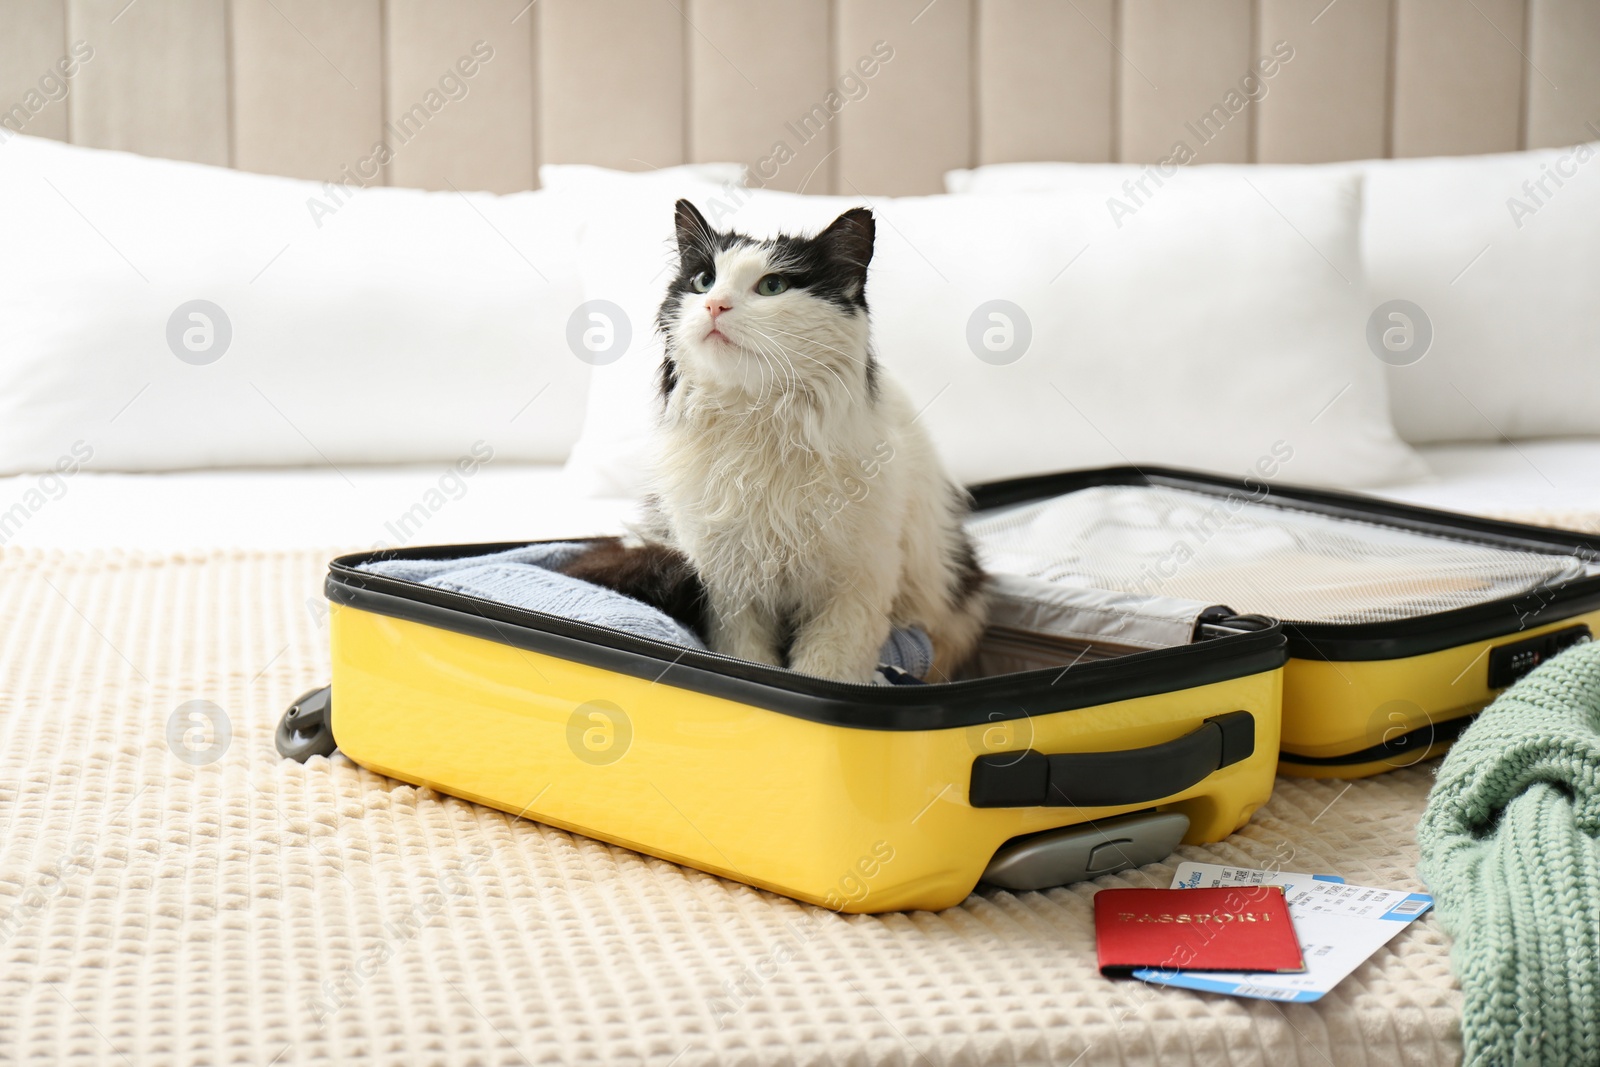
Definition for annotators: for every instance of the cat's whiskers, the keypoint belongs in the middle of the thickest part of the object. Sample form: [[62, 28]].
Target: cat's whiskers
[[792, 378], [769, 383], [767, 358], [823, 344], [796, 352], [843, 385]]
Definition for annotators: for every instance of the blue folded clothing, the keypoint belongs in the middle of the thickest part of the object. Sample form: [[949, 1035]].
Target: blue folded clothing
[[524, 578]]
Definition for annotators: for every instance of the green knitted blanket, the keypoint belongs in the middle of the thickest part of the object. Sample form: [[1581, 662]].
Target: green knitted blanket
[[1511, 851]]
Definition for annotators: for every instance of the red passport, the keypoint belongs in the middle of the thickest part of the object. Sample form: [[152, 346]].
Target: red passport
[[1237, 928]]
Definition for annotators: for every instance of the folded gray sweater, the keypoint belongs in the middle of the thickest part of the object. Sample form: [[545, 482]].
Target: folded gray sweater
[[524, 578]]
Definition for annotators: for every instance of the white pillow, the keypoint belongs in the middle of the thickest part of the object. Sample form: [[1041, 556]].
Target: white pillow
[[1497, 251], [1107, 179], [1507, 279], [1207, 331], [339, 326]]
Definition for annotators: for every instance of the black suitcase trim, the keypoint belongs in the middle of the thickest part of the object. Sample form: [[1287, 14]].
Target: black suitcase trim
[[1362, 641], [909, 707]]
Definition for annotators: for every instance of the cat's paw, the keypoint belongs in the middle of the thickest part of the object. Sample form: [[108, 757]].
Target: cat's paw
[[837, 665], [748, 646]]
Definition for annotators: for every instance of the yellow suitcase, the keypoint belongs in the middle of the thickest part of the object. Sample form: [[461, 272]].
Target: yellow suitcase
[[1403, 622], [854, 797]]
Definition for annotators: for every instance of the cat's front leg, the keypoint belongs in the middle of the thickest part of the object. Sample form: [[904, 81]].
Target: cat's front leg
[[742, 627], [844, 639]]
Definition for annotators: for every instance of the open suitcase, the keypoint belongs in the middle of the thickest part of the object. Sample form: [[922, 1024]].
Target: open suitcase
[[1115, 710], [1403, 622]]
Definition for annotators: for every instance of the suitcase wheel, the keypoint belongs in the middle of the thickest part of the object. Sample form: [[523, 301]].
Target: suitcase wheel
[[306, 729]]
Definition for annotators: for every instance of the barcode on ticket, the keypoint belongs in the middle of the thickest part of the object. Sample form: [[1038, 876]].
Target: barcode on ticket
[[1265, 992], [1408, 907]]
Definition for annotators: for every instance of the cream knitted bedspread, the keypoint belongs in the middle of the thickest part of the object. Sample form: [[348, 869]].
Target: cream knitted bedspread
[[165, 910]]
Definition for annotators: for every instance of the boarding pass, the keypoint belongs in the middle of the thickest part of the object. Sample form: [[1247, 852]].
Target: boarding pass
[[1339, 927]]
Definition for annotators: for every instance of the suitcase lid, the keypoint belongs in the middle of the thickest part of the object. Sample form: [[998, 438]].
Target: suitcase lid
[[1353, 577]]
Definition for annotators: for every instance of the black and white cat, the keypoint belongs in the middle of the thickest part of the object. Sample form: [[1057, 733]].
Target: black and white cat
[[790, 470]]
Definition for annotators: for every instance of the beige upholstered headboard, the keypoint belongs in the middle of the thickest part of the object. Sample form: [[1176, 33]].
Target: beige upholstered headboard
[[868, 96]]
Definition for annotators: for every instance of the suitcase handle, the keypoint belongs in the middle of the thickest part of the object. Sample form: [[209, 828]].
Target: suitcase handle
[[1031, 779]]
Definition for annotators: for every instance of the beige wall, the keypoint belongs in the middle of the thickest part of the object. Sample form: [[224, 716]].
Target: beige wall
[[309, 87]]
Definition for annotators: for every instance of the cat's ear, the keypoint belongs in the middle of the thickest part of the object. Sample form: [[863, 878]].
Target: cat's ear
[[848, 242], [694, 232]]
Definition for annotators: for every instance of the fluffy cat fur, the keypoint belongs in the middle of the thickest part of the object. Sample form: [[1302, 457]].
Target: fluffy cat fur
[[790, 470]]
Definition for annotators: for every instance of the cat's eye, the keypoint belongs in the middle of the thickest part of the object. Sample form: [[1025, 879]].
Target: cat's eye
[[771, 285], [701, 283]]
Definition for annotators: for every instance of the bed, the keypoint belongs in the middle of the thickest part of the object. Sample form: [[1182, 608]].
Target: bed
[[358, 506], [167, 900], [177, 894]]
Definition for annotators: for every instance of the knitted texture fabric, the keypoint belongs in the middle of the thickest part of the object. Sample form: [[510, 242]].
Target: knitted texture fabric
[[1510, 847], [523, 578]]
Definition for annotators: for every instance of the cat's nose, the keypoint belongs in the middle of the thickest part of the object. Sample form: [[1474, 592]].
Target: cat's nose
[[717, 306]]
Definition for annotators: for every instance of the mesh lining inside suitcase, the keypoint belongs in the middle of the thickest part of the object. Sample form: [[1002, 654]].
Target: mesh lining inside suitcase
[[1274, 560]]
